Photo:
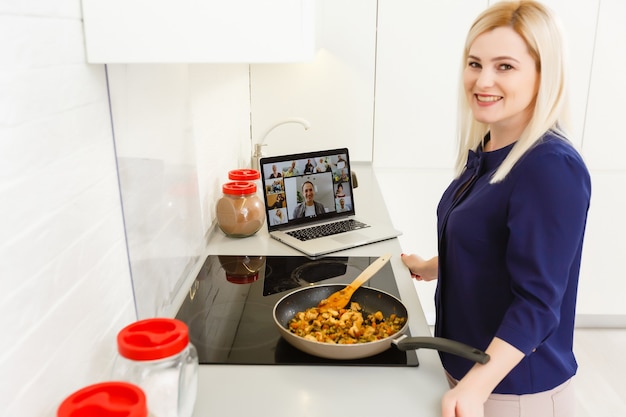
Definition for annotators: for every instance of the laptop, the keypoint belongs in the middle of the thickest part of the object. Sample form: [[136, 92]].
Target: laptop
[[309, 202]]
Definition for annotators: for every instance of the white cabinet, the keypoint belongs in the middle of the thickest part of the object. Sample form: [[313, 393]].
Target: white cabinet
[[604, 143], [418, 58], [579, 21], [199, 31], [417, 74]]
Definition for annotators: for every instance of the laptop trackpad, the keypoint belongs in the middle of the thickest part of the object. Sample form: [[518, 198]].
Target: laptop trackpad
[[353, 237]]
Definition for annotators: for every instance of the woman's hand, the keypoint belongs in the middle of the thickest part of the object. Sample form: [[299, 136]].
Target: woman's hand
[[462, 401], [421, 269]]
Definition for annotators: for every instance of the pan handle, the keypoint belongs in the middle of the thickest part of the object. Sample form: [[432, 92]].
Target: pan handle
[[405, 343]]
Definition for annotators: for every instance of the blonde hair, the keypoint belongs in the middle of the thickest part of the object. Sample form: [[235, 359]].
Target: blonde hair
[[541, 32]]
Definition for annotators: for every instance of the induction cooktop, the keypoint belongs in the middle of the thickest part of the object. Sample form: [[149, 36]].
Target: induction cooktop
[[229, 308]]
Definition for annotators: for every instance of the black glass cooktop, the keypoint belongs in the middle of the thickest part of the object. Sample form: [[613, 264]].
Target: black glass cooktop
[[229, 308]]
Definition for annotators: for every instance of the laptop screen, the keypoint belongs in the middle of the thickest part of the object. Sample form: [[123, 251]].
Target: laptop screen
[[306, 187]]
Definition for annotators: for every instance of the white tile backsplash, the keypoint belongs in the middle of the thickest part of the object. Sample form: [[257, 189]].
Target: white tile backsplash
[[41, 42], [65, 287], [42, 8], [50, 138]]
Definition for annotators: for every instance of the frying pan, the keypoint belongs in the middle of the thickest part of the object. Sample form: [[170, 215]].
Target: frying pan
[[371, 300]]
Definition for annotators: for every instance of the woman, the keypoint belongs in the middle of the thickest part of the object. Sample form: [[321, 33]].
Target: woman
[[511, 224], [339, 193], [277, 217]]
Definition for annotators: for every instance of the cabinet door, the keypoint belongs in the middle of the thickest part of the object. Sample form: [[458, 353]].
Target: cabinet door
[[192, 31], [579, 21], [604, 143], [418, 62], [602, 285], [417, 75]]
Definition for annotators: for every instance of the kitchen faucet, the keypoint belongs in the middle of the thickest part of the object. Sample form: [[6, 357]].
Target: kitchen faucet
[[258, 150]]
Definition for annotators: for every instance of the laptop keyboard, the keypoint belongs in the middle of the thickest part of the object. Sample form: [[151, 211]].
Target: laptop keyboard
[[327, 229]]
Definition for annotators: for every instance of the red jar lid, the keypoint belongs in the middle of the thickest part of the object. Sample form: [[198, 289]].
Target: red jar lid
[[244, 174], [152, 339], [239, 188], [106, 399]]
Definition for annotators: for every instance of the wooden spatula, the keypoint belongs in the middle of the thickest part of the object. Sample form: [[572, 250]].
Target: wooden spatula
[[341, 298]]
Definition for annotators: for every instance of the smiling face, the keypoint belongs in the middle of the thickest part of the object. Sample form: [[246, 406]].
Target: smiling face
[[309, 193], [501, 82]]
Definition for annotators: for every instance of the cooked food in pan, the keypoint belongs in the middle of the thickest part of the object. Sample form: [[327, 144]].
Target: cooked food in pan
[[344, 326]]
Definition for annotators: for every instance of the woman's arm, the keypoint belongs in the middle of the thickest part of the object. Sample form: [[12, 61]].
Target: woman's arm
[[467, 399]]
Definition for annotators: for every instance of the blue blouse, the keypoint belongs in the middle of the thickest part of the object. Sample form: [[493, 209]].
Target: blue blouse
[[509, 261]]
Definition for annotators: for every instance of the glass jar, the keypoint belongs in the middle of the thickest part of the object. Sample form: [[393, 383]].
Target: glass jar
[[156, 355], [106, 399], [240, 212], [242, 269]]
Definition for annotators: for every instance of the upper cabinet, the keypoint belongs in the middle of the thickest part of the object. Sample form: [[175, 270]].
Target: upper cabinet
[[604, 144], [199, 31]]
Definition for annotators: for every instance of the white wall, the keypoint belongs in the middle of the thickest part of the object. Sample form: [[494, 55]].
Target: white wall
[[65, 287], [334, 92]]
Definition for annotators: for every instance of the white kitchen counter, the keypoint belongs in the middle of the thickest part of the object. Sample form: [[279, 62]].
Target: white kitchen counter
[[314, 390]]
